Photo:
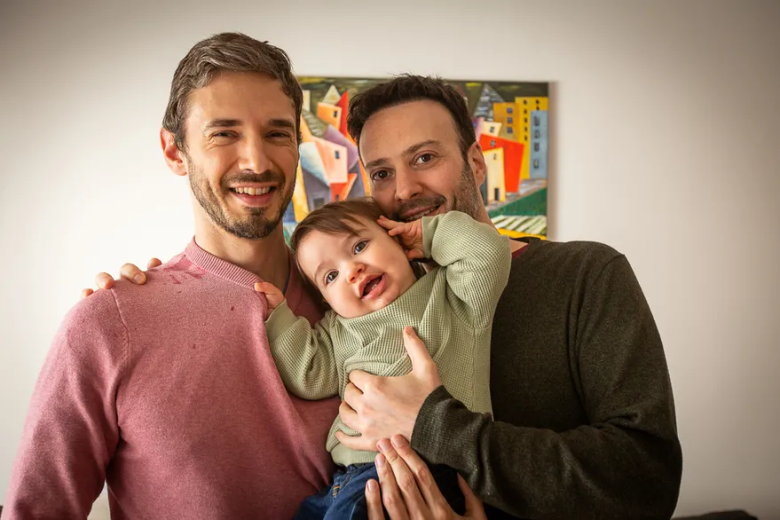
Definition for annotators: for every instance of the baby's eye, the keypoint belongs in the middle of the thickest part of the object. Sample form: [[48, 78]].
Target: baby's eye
[[360, 246], [330, 277]]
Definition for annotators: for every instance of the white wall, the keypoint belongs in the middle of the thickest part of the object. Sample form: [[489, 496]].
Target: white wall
[[666, 139]]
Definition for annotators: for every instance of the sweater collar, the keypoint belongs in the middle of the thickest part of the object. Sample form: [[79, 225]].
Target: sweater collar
[[240, 276]]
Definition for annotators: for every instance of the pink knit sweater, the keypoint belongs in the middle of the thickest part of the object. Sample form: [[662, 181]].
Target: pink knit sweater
[[168, 392]]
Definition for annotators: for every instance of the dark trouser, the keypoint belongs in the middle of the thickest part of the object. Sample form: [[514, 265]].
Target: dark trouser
[[346, 498]]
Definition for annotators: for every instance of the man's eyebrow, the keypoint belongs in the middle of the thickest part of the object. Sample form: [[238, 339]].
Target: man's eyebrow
[[412, 149], [225, 123], [375, 162], [415, 147], [282, 123], [221, 123]]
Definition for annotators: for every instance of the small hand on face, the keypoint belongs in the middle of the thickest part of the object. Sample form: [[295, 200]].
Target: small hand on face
[[380, 407], [409, 233]]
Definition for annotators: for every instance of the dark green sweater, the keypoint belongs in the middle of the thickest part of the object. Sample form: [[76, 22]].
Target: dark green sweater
[[584, 415]]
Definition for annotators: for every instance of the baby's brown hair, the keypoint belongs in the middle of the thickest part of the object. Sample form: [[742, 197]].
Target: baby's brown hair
[[336, 218]]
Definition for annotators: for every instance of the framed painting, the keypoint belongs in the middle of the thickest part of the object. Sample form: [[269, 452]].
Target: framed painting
[[511, 124]]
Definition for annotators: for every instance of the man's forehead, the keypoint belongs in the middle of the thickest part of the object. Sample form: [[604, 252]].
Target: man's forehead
[[243, 94], [394, 129]]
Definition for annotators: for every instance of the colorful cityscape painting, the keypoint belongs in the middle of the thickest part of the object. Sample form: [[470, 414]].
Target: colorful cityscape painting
[[511, 123]]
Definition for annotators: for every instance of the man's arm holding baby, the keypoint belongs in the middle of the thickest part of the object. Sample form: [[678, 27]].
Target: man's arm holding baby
[[624, 463]]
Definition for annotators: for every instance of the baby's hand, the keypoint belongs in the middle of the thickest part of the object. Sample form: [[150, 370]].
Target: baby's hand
[[272, 293], [409, 233]]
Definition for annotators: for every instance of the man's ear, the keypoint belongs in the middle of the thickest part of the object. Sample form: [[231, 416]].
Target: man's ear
[[477, 162], [174, 157]]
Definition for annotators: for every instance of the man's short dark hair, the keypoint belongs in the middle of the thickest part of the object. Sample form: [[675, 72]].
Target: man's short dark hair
[[405, 89]]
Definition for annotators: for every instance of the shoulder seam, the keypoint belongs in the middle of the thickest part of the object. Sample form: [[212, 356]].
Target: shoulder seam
[[617, 256], [126, 332]]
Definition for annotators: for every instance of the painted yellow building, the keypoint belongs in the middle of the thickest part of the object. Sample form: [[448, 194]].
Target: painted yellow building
[[526, 105], [496, 188], [506, 114]]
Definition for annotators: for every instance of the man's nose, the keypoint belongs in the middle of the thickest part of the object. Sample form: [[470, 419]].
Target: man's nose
[[407, 184], [254, 156]]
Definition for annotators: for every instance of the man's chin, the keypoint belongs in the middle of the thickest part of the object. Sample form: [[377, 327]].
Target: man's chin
[[254, 225], [253, 230]]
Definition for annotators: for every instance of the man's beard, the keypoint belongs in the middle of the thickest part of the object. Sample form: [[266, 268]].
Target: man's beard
[[258, 224], [466, 198]]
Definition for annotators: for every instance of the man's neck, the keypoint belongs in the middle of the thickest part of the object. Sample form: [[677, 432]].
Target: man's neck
[[482, 216], [265, 257]]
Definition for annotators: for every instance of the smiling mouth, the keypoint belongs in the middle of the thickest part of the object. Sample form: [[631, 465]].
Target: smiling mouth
[[371, 285], [418, 214], [253, 191]]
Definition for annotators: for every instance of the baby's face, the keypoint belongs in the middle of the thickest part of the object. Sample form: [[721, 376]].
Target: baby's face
[[356, 274]]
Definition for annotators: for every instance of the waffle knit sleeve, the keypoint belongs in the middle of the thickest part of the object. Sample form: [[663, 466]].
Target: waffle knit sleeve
[[303, 354], [477, 259]]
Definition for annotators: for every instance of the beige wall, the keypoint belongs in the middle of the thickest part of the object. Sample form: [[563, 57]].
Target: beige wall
[[665, 144]]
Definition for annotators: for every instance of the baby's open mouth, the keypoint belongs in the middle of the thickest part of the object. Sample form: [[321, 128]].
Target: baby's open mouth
[[371, 285]]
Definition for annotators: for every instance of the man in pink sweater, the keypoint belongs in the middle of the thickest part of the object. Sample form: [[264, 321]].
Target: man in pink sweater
[[168, 393]]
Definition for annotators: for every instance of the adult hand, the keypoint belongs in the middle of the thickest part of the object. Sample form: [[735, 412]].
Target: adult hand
[[380, 407], [408, 490], [130, 272]]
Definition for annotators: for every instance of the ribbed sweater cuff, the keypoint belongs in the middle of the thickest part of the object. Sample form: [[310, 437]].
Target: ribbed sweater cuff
[[280, 321]]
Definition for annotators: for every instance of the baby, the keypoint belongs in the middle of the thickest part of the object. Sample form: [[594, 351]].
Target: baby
[[360, 263]]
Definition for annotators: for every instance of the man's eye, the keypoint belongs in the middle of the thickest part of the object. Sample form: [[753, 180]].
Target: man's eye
[[331, 277], [380, 175], [280, 135], [361, 246], [222, 134], [424, 158]]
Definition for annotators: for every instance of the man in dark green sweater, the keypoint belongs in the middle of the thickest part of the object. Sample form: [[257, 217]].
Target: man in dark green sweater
[[584, 415]]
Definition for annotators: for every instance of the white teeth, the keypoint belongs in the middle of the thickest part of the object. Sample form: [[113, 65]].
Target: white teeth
[[253, 191], [420, 215]]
